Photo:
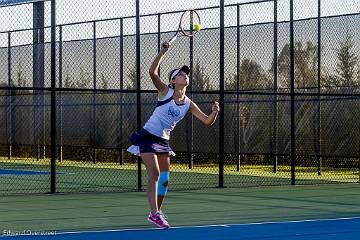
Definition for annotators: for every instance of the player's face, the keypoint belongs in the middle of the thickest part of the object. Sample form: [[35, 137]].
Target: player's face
[[182, 79]]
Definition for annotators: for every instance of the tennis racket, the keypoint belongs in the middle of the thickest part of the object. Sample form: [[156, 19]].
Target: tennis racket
[[187, 22]]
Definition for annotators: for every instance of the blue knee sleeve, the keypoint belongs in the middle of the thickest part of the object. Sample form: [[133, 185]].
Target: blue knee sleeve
[[163, 183]]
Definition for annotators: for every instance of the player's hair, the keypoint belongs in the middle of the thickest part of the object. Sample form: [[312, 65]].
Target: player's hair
[[171, 77], [175, 72]]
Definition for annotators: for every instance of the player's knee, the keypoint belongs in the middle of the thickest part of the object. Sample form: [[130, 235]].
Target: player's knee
[[154, 175]]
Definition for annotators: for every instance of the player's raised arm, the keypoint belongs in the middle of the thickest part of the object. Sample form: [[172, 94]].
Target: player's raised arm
[[154, 70]]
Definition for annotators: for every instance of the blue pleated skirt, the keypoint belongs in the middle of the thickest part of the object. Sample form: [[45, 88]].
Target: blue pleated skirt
[[145, 142]]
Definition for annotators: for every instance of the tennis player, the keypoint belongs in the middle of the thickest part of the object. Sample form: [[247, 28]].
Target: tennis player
[[152, 142]]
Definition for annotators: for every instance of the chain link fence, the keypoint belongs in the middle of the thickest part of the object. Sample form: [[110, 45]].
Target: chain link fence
[[96, 92]]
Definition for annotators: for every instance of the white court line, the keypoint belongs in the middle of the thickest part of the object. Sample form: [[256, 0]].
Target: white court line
[[211, 225]]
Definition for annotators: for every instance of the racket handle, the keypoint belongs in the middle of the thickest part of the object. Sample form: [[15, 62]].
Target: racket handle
[[172, 40]]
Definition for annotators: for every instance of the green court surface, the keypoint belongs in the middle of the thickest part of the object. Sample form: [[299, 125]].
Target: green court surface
[[104, 211], [80, 176]]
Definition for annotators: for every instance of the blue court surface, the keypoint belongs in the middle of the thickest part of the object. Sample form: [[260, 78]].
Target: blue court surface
[[24, 172], [322, 229]]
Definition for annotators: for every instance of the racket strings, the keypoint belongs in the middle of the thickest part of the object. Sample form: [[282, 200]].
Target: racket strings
[[188, 20]]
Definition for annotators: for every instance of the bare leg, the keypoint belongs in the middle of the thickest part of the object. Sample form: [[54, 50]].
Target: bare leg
[[164, 166], [153, 172]]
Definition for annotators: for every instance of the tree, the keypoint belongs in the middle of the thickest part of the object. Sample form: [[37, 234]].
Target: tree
[[347, 61], [133, 78], [21, 80], [104, 82], [252, 76], [246, 111], [344, 112], [84, 80], [305, 65], [201, 81], [68, 83]]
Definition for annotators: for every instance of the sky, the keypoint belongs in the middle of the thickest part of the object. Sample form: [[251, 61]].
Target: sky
[[69, 11]]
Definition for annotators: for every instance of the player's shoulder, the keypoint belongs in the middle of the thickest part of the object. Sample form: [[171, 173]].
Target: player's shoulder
[[164, 94], [190, 101]]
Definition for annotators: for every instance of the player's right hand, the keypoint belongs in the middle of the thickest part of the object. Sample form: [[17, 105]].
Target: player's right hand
[[165, 46]]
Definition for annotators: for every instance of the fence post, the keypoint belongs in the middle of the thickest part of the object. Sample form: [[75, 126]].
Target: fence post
[[38, 77], [274, 144], [138, 84], [9, 119], [93, 109], [121, 150], [53, 97], [292, 92], [159, 36], [60, 95], [238, 112], [222, 97], [190, 119], [318, 119]]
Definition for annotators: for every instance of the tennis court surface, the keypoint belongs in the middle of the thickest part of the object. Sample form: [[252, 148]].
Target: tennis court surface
[[321, 229], [301, 212]]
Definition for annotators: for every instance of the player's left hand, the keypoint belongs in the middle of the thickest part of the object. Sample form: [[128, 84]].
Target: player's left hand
[[215, 107], [165, 46]]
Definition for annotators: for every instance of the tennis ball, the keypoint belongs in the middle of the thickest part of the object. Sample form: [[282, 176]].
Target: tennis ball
[[197, 27]]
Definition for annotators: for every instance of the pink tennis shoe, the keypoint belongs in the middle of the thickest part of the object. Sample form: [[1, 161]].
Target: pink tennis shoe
[[158, 220]]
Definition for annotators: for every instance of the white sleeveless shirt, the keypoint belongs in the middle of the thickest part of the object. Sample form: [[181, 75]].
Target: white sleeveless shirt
[[166, 115]]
